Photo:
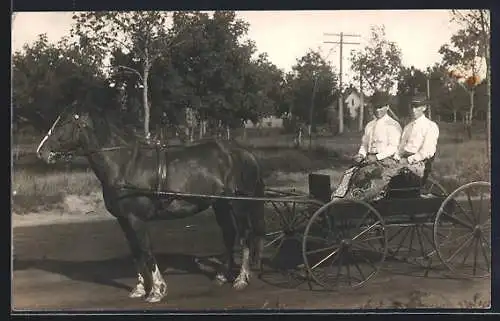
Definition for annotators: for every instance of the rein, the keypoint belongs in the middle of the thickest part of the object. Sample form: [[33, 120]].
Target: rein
[[69, 154], [105, 149]]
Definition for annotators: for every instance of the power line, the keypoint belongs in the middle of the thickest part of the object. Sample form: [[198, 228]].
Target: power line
[[341, 42]]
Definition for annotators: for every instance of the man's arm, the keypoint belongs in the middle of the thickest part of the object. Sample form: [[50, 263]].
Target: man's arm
[[400, 147], [429, 145], [393, 139], [363, 149]]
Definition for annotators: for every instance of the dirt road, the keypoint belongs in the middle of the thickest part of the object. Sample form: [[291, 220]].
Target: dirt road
[[86, 266]]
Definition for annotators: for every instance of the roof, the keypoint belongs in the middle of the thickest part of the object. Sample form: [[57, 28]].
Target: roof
[[354, 90]]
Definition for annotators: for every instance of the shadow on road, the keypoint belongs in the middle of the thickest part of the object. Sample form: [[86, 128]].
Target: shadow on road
[[106, 272]]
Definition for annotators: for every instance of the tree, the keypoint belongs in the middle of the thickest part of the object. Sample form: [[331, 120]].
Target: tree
[[439, 87], [378, 63], [309, 89], [269, 80], [48, 77], [470, 46], [142, 34], [461, 57], [221, 80]]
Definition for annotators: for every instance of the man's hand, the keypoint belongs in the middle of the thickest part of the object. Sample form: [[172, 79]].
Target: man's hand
[[371, 159], [358, 159]]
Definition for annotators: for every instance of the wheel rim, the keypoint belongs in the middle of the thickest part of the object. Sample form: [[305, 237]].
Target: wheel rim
[[433, 187], [466, 216], [342, 250], [285, 227], [414, 243]]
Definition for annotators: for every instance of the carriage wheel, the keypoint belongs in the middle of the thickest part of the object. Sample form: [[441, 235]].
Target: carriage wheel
[[282, 247], [465, 218], [413, 242], [345, 244], [433, 187]]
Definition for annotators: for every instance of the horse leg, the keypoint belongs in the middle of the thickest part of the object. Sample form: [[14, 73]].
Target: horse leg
[[258, 226], [253, 229], [243, 277], [226, 221], [139, 290], [242, 213], [149, 273]]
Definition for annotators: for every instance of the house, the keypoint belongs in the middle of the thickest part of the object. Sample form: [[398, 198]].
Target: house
[[353, 101], [266, 122]]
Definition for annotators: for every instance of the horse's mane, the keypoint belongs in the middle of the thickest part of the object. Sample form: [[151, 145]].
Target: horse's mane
[[109, 124]]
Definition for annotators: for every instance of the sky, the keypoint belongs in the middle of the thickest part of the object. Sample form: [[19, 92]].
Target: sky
[[288, 35]]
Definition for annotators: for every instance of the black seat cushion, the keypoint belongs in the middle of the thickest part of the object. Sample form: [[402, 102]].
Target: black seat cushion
[[408, 184]]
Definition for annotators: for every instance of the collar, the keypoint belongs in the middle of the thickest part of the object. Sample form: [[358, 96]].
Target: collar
[[383, 118], [420, 119]]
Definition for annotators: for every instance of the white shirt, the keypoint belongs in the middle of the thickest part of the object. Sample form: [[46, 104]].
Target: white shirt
[[381, 137], [419, 137]]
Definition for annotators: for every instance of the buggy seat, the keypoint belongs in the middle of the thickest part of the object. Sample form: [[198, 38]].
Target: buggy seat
[[408, 184], [404, 185]]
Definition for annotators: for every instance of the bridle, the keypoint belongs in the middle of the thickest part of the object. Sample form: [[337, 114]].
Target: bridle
[[67, 155]]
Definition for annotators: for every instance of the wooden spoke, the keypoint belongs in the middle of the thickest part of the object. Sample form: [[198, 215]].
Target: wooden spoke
[[354, 246], [466, 251]]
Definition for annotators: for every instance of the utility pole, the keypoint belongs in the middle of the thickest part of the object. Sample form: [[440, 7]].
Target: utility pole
[[341, 43]]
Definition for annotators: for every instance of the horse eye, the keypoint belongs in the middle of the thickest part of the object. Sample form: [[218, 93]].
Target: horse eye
[[76, 116]]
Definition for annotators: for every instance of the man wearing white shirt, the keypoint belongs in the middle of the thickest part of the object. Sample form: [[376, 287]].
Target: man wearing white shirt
[[419, 139], [416, 145], [379, 143], [380, 139]]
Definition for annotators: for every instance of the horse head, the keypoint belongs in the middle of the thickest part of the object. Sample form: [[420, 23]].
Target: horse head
[[67, 134]]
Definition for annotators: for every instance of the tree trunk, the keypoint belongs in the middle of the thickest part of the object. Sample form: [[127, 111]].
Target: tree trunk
[[468, 122], [145, 99], [488, 82], [454, 116]]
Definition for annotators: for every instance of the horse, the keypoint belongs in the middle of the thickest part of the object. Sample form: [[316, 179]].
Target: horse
[[125, 166]]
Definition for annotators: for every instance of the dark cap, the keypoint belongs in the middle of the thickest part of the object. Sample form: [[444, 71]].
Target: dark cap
[[419, 100], [379, 100]]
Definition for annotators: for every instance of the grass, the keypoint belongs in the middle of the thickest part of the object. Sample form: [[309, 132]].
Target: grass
[[32, 193], [458, 161]]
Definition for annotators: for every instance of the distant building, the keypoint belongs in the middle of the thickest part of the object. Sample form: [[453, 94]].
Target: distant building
[[266, 122], [353, 101]]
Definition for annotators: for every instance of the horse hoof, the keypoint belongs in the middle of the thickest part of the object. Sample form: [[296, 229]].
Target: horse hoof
[[240, 285], [220, 279], [154, 298], [137, 292]]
